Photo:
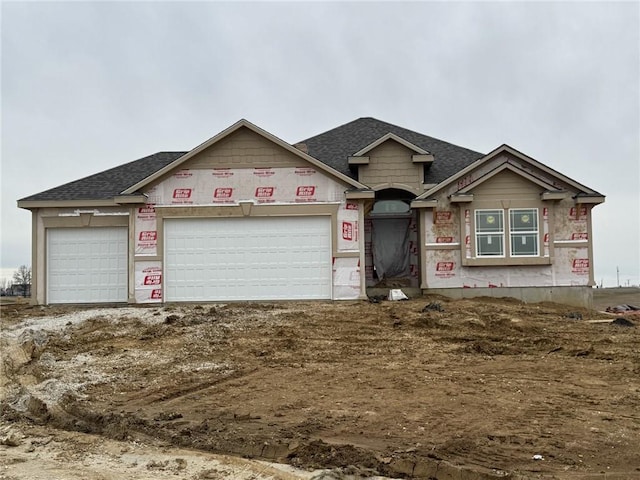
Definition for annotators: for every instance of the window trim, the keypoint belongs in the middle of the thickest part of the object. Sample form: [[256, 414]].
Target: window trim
[[491, 233], [513, 233], [508, 258]]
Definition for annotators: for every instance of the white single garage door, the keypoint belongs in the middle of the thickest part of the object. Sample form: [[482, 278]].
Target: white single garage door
[[87, 265], [254, 258]]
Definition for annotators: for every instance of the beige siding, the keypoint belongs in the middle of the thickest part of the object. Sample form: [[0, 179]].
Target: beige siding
[[390, 166], [507, 187], [244, 149]]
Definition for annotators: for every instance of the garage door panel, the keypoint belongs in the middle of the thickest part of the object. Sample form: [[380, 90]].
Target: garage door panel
[[247, 258], [86, 265]]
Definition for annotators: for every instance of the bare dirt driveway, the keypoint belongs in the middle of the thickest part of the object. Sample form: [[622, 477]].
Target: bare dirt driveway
[[426, 388]]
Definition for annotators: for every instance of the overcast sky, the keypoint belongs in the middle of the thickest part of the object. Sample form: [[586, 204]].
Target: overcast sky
[[87, 86]]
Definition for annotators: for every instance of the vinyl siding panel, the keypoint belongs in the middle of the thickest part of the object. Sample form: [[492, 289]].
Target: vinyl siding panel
[[507, 185], [391, 163], [244, 149]]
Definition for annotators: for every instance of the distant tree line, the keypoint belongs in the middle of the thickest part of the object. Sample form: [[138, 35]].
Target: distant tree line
[[19, 285]]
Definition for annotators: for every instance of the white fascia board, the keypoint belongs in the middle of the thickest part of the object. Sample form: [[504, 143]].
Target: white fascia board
[[497, 151], [513, 168], [126, 199], [359, 194], [29, 204], [431, 203], [358, 160], [554, 195], [422, 158], [461, 197], [550, 171], [592, 199]]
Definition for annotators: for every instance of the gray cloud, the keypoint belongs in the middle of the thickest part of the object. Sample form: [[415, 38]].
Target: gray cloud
[[87, 86]]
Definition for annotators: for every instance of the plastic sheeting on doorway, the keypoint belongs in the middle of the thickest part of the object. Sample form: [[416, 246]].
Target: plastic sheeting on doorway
[[390, 247]]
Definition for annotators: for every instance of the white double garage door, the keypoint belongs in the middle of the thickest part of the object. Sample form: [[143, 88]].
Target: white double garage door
[[256, 258]]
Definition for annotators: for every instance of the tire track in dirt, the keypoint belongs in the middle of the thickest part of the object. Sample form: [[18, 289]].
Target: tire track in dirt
[[483, 385]]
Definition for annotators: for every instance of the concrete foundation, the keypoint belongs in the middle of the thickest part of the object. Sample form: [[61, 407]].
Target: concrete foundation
[[574, 296], [411, 292]]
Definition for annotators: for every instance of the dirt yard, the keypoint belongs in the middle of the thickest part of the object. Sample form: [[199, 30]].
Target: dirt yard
[[427, 388]]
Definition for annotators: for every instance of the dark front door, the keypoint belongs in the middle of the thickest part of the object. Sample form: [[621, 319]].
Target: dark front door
[[391, 238]]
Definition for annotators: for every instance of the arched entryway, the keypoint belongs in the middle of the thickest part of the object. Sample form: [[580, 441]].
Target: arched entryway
[[391, 241]]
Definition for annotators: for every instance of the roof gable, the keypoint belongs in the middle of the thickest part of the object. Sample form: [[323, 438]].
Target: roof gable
[[176, 164], [547, 176], [508, 167], [394, 137], [328, 152], [124, 182], [334, 147]]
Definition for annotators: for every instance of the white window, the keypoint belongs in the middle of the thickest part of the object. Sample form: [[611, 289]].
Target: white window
[[523, 232], [390, 207], [490, 233]]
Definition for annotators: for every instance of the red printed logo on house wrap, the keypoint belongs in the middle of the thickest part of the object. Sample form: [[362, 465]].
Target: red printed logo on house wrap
[[155, 279], [413, 270], [264, 194], [465, 182], [444, 239], [442, 217], [444, 266], [351, 206], [305, 191], [146, 213], [156, 294], [182, 193], [347, 231], [576, 213], [148, 236], [580, 236], [146, 210], [580, 266], [223, 193], [445, 269]]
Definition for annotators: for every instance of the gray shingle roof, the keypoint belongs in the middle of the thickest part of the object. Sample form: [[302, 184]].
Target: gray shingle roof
[[332, 147], [335, 146], [109, 183]]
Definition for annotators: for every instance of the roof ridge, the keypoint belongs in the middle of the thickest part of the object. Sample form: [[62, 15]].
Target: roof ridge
[[334, 128], [334, 146], [393, 125], [428, 136]]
